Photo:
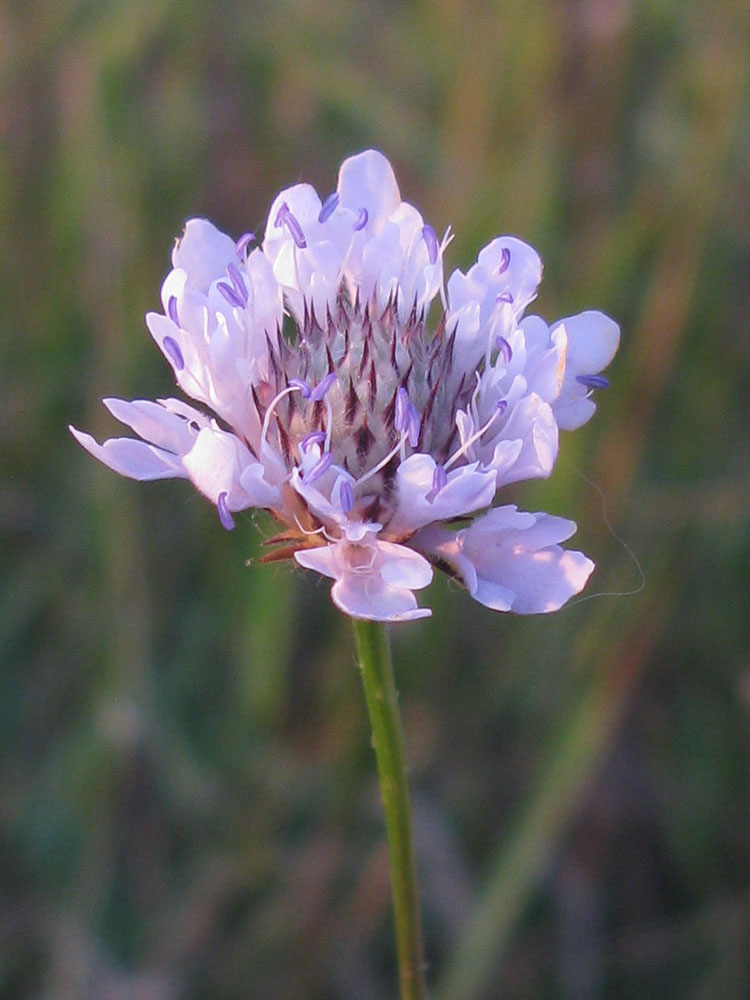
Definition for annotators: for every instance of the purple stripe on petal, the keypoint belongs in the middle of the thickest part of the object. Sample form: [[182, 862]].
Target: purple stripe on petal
[[322, 387], [314, 437], [172, 310], [321, 466], [504, 261], [239, 283], [172, 348], [504, 349], [439, 478], [431, 241], [230, 295], [298, 383], [329, 207], [593, 381], [242, 244], [227, 521], [346, 495], [362, 218]]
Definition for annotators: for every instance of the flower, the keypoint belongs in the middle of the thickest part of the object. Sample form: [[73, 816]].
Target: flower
[[375, 427]]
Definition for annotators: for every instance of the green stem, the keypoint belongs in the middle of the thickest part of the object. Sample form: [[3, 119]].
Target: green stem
[[388, 742]]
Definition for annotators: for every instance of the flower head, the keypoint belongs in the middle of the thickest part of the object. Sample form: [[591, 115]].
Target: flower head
[[377, 423]]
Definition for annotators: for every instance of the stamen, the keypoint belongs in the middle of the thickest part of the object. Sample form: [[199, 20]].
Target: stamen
[[242, 244], [173, 350], [593, 381], [329, 207], [321, 466], [504, 260], [505, 297], [172, 310], [439, 478], [304, 388], [346, 496], [500, 409], [504, 349], [322, 387], [431, 241], [314, 437], [406, 417], [402, 409], [239, 283], [361, 219], [230, 295], [272, 406], [284, 217], [383, 462], [225, 516]]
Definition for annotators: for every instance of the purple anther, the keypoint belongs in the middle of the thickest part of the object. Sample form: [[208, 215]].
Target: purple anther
[[173, 350], [504, 261], [329, 207], [431, 241], [172, 310], [320, 390], [414, 425], [505, 297], [502, 406], [284, 217], [346, 496], [504, 349], [239, 283], [593, 381], [314, 437], [230, 294], [227, 521], [401, 413], [243, 243], [321, 466], [362, 218], [298, 383], [439, 478]]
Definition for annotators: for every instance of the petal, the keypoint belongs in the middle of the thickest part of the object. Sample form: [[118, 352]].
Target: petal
[[156, 424], [322, 559], [402, 567], [132, 458], [517, 553], [215, 464], [367, 181], [204, 253], [466, 491], [372, 599]]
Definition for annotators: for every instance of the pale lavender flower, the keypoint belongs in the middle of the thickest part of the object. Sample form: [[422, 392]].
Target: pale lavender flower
[[374, 428]]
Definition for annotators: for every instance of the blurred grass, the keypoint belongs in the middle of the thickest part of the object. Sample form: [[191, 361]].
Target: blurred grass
[[187, 797]]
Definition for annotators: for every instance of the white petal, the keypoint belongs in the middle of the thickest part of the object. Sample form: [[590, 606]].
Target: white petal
[[155, 423], [322, 559], [593, 339], [517, 552], [467, 490], [372, 599], [132, 458], [215, 464], [402, 567], [204, 252], [521, 277], [367, 181]]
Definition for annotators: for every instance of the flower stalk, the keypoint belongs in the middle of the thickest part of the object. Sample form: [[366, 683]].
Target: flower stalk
[[374, 654]]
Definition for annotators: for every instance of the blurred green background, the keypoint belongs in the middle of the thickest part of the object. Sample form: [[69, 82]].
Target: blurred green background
[[188, 806]]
